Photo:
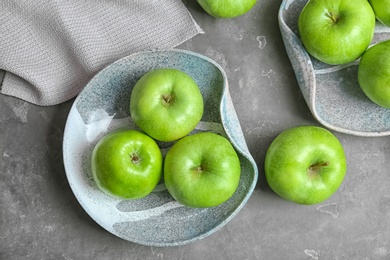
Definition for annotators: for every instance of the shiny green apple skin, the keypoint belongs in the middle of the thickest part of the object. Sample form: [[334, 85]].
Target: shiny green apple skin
[[381, 10], [336, 31], [227, 8], [374, 73], [305, 164], [166, 103], [202, 170], [127, 164]]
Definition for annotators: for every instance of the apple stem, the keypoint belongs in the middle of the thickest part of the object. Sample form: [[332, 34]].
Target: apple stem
[[316, 167], [333, 17], [315, 170], [199, 169], [167, 99]]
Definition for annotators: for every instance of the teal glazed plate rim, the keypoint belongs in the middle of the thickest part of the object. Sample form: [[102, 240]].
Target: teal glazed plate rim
[[103, 106], [332, 93]]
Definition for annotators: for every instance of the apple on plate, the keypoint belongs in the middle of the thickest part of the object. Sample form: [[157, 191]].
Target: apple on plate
[[374, 73], [226, 8], [166, 104], [381, 10], [127, 164], [336, 31], [202, 170], [305, 164]]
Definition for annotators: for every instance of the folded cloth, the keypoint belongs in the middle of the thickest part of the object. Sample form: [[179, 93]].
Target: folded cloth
[[49, 50]]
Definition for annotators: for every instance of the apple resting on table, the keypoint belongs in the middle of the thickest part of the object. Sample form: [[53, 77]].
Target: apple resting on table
[[202, 170], [127, 164], [166, 104], [305, 164], [381, 10], [374, 73], [226, 8], [336, 31]]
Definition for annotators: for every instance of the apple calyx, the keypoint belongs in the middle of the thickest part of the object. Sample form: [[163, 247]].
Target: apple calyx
[[315, 169], [135, 159]]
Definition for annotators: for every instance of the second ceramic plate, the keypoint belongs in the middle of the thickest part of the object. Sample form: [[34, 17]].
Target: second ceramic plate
[[332, 92]]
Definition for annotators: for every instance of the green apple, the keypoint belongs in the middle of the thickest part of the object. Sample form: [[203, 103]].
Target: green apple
[[305, 164], [127, 164], [374, 73], [202, 170], [336, 31], [166, 104], [381, 10], [226, 8]]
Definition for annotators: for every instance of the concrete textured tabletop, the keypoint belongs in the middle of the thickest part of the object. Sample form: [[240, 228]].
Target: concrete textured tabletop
[[40, 217]]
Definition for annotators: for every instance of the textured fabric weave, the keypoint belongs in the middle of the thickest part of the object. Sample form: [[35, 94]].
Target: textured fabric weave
[[49, 49]]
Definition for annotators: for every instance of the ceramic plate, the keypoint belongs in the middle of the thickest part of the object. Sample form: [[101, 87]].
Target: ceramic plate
[[103, 106], [332, 92]]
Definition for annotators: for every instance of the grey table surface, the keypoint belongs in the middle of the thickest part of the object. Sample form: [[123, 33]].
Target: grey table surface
[[40, 217]]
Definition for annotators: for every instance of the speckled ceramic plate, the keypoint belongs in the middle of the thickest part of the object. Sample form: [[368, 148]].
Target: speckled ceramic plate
[[332, 92], [103, 106]]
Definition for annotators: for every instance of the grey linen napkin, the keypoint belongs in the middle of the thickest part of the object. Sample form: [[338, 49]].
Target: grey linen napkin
[[49, 49]]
